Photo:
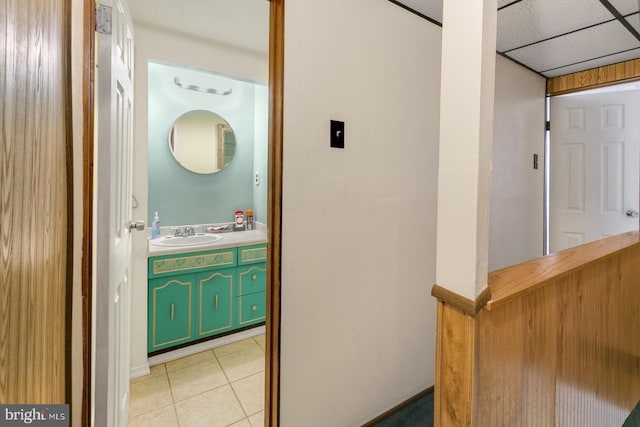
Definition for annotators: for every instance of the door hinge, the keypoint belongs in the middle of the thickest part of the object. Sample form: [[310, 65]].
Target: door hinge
[[547, 126], [103, 19]]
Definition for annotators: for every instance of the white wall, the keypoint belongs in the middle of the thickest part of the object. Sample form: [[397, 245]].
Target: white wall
[[261, 153], [358, 254], [151, 43], [517, 189]]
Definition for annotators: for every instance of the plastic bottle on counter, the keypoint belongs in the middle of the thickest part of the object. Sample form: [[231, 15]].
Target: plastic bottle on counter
[[155, 227]]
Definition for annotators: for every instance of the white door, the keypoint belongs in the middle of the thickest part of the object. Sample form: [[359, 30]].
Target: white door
[[594, 162], [112, 236]]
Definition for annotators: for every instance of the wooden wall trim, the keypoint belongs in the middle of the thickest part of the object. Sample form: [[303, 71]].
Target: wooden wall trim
[[520, 279], [274, 221], [596, 77], [463, 304], [70, 202]]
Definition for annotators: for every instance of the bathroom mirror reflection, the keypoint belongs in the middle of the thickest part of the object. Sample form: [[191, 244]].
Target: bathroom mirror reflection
[[202, 141]]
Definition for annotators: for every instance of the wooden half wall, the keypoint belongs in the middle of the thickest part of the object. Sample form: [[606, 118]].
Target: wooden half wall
[[34, 201], [556, 345]]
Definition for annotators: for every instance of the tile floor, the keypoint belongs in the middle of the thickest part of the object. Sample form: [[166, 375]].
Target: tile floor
[[216, 388]]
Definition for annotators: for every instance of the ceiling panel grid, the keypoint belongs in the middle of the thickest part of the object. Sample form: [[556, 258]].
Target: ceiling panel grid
[[553, 37]]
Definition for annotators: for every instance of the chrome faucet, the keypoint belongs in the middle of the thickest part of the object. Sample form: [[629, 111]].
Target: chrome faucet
[[188, 231]]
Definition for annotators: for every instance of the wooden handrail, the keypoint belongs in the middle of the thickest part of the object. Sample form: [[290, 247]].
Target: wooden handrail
[[517, 280]]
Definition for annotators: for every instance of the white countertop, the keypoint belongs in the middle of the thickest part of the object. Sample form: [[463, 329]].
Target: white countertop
[[228, 240]]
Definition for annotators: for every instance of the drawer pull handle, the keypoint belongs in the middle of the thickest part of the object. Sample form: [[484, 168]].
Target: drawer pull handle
[[172, 311], [254, 277], [215, 303], [254, 308]]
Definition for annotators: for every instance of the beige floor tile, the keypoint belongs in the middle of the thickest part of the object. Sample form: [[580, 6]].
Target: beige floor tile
[[257, 420], [250, 392], [214, 408], [196, 379], [243, 363], [194, 359], [262, 341], [241, 423], [155, 371], [235, 347], [149, 394], [163, 417]]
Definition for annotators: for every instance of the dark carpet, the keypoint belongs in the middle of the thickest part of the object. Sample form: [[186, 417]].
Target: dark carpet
[[418, 413], [634, 418]]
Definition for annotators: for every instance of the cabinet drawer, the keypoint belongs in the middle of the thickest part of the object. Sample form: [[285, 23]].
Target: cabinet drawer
[[252, 254], [251, 308], [191, 263], [252, 279]]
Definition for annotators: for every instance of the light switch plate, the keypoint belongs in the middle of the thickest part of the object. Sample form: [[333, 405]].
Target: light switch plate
[[337, 134]]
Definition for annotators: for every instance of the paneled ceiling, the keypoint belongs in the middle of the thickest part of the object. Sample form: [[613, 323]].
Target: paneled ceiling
[[556, 37]]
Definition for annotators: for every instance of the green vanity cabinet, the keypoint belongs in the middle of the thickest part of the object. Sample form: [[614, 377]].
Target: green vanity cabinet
[[171, 311], [197, 295]]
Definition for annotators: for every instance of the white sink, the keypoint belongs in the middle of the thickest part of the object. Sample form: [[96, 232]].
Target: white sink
[[195, 240]]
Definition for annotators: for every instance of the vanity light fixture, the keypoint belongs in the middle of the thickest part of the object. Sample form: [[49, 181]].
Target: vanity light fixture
[[213, 91]]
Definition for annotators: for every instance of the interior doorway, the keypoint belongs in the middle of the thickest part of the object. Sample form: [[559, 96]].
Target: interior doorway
[[594, 162], [275, 66]]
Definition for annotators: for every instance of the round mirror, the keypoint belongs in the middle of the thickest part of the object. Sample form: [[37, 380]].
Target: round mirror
[[202, 141]]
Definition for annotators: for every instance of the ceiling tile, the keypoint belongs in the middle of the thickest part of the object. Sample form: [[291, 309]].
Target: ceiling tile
[[625, 6], [580, 46], [633, 54], [430, 8], [634, 20], [534, 20]]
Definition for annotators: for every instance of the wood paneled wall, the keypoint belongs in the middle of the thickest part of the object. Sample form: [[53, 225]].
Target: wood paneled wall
[[34, 200], [556, 344], [566, 353], [595, 77], [455, 364]]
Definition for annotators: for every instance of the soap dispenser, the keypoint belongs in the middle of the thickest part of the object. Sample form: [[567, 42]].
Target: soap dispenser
[[155, 227]]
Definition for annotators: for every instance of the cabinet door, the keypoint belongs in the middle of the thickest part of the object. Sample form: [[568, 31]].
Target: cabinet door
[[170, 311], [215, 292]]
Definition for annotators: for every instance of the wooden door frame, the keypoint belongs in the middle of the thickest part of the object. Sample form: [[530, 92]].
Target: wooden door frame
[[88, 110], [274, 214], [276, 96]]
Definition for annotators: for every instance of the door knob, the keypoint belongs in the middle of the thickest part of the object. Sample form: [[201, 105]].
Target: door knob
[[632, 213], [138, 225]]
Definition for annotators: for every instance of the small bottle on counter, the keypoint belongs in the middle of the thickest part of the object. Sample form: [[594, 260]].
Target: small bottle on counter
[[250, 223], [239, 222], [155, 227]]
